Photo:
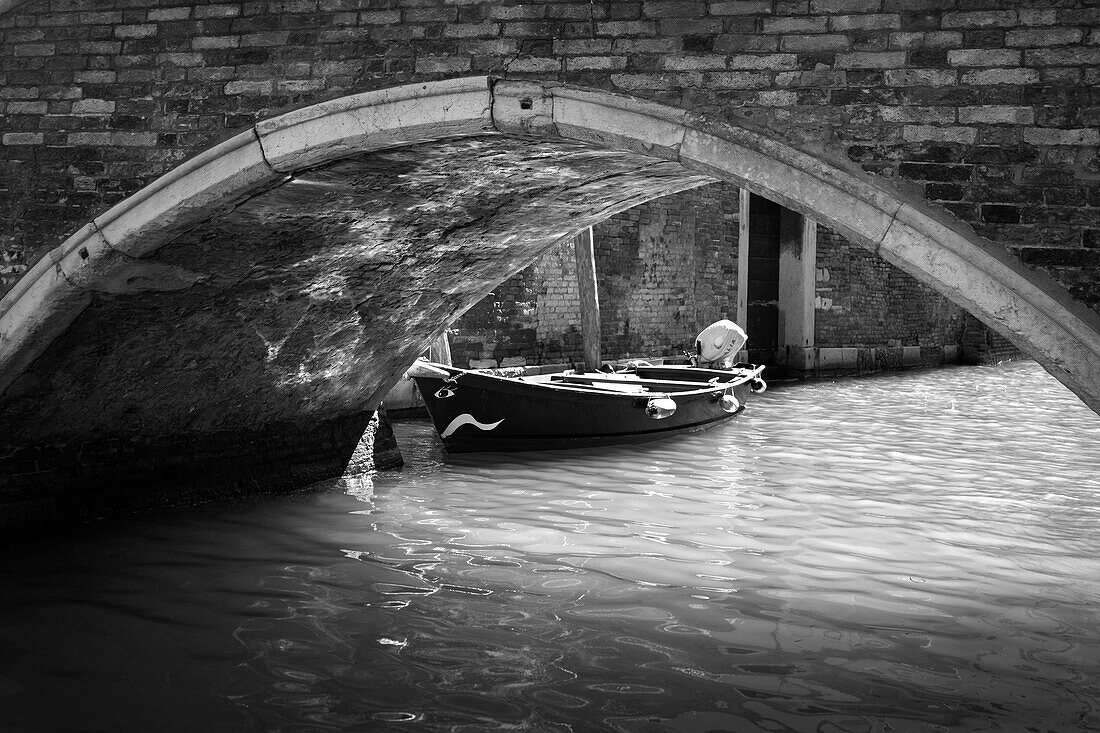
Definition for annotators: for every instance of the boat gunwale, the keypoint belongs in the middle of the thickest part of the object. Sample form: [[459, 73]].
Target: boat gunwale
[[748, 374]]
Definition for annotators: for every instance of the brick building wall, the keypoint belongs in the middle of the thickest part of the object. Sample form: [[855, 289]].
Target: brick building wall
[[864, 301], [988, 107], [663, 268], [668, 268]]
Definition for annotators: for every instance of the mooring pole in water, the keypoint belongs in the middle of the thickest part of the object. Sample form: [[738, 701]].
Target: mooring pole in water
[[590, 301], [440, 350]]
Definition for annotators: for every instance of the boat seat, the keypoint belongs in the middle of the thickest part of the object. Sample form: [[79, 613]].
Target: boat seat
[[661, 384]]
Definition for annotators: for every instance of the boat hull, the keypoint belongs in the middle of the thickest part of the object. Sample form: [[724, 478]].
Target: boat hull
[[475, 412]]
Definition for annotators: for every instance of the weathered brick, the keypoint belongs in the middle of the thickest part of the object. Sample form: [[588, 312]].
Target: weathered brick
[[106, 17], [146, 30], [997, 114], [928, 115], [926, 39], [1045, 37], [774, 62], [223, 10], [517, 12], [980, 19], [586, 46], [595, 63], [618, 28], [813, 43], [267, 38], [740, 80], [1062, 57], [27, 108], [845, 6], [984, 57], [431, 15], [158, 14], [689, 27], [651, 82], [14, 92], [93, 107], [88, 138], [249, 87], [1082, 137], [740, 7], [34, 49], [1033, 16], [874, 22], [777, 98], [630, 46], [22, 138], [534, 65], [931, 133], [794, 25], [742, 42], [674, 8], [871, 60], [688, 63], [471, 30], [442, 65], [1000, 76]]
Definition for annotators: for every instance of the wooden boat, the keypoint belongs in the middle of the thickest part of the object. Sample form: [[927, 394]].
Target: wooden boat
[[478, 411]]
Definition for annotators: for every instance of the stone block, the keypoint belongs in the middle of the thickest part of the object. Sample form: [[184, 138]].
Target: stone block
[[211, 182], [383, 118], [632, 123], [837, 358]]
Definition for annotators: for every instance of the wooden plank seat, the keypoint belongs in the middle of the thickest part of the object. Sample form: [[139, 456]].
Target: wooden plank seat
[[659, 384]]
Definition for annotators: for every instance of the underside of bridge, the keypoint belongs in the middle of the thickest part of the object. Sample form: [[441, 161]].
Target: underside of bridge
[[310, 299], [244, 316]]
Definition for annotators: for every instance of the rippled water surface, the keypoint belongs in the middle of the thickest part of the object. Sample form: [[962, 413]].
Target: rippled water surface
[[915, 552]]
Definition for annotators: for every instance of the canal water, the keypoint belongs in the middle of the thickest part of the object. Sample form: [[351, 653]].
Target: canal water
[[908, 552]]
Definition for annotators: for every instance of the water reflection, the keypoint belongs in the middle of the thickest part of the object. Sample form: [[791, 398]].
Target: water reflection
[[913, 552]]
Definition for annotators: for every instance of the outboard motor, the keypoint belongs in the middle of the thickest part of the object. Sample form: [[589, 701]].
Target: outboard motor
[[717, 345]]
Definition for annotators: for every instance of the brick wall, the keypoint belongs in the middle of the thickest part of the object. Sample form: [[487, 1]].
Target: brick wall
[[668, 268], [863, 301], [988, 107], [665, 270]]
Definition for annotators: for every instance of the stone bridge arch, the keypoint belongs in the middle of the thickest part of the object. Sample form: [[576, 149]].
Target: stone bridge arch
[[106, 254]]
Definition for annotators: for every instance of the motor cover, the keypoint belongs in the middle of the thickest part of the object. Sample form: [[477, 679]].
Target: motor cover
[[719, 342]]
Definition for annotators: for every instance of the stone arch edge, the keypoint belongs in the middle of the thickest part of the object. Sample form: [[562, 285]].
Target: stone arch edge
[[1030, 308]]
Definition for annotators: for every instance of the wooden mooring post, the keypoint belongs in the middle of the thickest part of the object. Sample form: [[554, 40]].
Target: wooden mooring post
[[440, 350], [589, 298]]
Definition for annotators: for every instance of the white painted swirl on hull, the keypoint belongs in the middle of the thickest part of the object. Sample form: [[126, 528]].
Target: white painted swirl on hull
[[468, 419]]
